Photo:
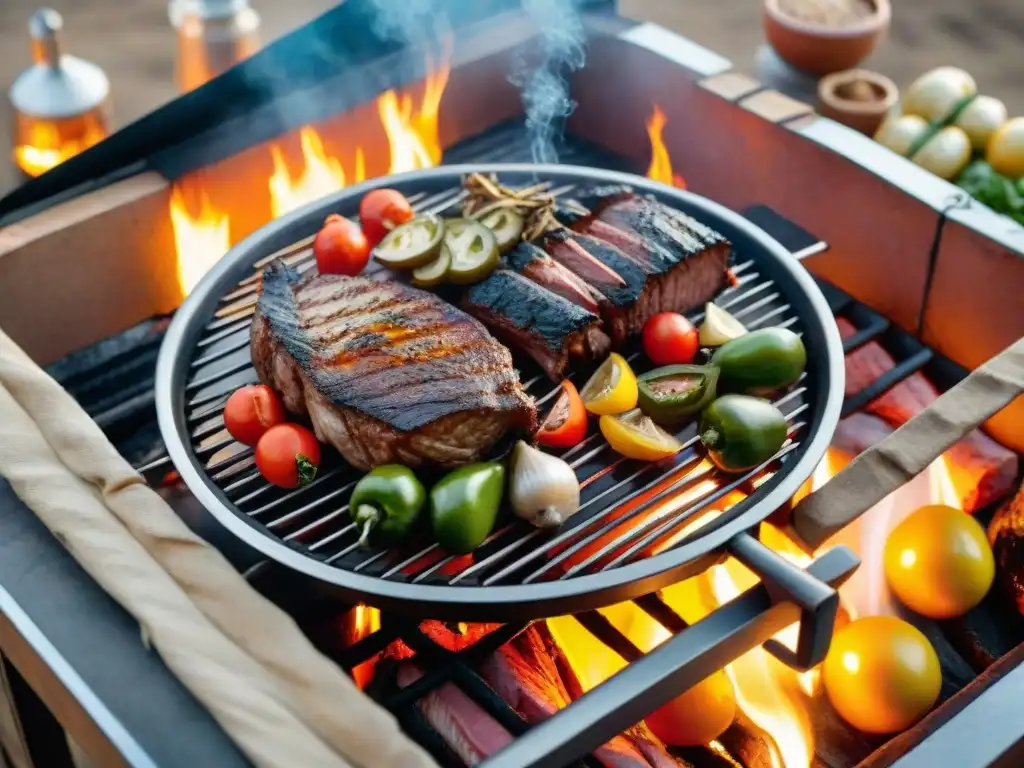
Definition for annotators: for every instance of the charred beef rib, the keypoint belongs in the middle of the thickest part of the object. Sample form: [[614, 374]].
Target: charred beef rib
[[385, 372], [536, 321]]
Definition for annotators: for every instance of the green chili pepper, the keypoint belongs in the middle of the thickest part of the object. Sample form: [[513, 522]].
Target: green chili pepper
[[741, 432], [671, 393], [464, 506], [385, 504], [760, 362]]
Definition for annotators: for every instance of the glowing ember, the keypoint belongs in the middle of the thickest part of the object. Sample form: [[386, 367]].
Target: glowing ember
[[364, 622], [660, 168], [321, 175], [201, 239], [47, 148]]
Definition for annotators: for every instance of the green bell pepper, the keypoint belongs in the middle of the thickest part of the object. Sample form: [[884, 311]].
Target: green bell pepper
[[741, 432], [464, 506], [385, 504]]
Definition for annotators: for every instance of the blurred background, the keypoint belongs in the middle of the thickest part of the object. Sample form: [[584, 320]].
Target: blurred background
[[134, 42]]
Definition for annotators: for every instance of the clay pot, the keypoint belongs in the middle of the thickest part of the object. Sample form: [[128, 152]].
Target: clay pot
[[821, 49], [857, 98]]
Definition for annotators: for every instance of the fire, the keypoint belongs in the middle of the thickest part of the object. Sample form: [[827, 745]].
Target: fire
[[660, 168], [201, 239], [321, 175], [361, 622], [414, 142], [47, 148]]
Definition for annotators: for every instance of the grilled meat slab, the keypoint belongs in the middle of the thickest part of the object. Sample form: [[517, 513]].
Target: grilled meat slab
[[385, 372], [536, 321], [532, 263]]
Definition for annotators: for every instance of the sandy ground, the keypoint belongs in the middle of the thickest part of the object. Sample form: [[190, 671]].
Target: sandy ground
[[133, 41]]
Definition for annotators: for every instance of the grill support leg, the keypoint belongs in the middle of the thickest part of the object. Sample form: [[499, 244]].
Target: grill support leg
[[671, 668]]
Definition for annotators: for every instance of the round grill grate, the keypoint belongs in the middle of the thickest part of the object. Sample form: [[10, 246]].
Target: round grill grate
[[628, 539]]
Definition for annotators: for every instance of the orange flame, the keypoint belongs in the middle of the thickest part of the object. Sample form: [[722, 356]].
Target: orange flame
[[47, 148], [414, 143], [660, 168], [321, 175], [364, 622], [201, 240]]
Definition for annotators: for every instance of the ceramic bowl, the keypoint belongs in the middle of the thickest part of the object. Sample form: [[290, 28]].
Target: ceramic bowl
[[821, 49], [857, 98]]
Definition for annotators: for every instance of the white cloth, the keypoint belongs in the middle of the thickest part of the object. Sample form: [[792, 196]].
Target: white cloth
[[280, 700]]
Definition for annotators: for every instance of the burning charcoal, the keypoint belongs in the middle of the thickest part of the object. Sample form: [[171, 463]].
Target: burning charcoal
[[467, 729], [1006, 535], [856, 433], [524, 673], [983, 470]]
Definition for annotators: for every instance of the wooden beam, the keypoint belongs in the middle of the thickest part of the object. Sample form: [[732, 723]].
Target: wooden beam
[[85, 269]]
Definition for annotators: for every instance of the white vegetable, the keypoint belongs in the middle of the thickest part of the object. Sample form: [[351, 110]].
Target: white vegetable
[[936, 93], [946, 153], [901, 133], [980, 119], [719, 327], [544, 490]]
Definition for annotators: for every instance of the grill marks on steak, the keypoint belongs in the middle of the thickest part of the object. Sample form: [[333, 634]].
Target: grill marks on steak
[[385, 372], [544, 325]]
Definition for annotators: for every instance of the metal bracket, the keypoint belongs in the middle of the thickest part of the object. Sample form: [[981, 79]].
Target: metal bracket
[[786, 582]]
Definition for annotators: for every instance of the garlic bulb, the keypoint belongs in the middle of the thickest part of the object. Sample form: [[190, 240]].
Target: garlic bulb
[[719, 327], [544, 490]]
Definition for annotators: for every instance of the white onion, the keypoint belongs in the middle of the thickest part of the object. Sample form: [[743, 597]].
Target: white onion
[[946, 153], [900, 133], [981, 118], [936, 93]]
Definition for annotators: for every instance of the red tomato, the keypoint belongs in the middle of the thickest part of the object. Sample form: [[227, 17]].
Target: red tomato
[[382, 210], [251, 411], [566, 422], [670, 339], [288, 455], [340, 247]]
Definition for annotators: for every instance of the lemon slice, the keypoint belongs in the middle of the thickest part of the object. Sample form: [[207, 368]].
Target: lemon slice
[[719, 327], [612, 389], [635, 436]]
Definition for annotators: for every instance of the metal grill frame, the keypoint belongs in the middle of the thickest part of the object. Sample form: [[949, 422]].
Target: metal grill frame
[[520, 601]]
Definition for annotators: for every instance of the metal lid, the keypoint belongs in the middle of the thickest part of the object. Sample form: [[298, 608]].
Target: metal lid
[[205, 9], [57, 85]]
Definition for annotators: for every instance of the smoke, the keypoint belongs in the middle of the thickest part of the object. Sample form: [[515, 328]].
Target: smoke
[[412, 22], [546, 99]]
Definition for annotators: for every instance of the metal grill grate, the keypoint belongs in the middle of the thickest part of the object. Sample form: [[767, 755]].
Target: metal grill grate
[[629, 510]]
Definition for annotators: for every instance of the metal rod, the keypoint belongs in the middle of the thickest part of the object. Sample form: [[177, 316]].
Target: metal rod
[[662, 674]]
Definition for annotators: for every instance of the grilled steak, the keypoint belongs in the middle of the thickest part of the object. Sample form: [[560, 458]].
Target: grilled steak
[[536, 321], [684, 262], [531, 262], [386, 373]]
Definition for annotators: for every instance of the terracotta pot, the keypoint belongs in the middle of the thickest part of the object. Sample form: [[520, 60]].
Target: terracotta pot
[[821, 49], [857, 98]]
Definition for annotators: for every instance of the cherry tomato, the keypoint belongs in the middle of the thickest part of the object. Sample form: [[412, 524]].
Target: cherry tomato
[[670, 339], [698, 715], [566, 422], [288, 455], [382, 210], [340, 247], [251, 411]]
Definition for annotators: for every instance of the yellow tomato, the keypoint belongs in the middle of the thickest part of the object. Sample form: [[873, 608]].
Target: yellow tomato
[[1006, 148], [612, 388], [881, 674], [938, 562], [698, 716], [635, 436]]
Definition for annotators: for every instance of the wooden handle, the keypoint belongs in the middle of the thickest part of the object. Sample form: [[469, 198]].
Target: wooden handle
[[908, 451]]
